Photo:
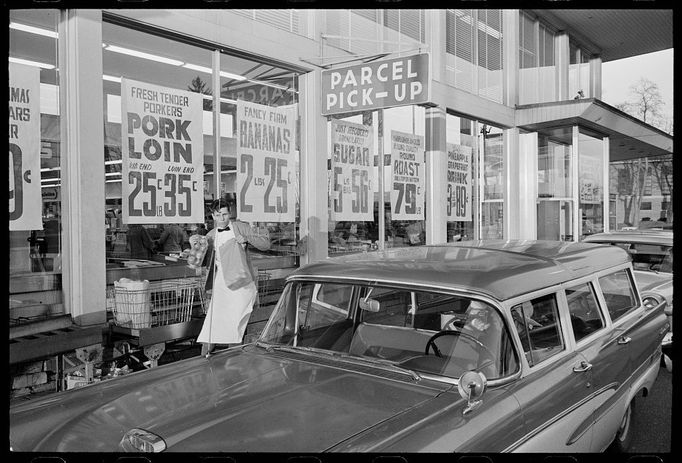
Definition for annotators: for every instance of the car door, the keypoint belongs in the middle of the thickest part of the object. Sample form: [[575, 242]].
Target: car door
[[555, 387], [606, 350]]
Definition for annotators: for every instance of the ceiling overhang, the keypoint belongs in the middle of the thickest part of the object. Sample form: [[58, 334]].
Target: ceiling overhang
[[614, 34], [629, 138]]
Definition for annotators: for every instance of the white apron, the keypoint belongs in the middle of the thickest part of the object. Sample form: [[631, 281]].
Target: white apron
[[229, 310]]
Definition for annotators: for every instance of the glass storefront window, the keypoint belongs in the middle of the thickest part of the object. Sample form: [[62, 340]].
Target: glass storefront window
[[492, 182], [462, 182], [35, 236], [555, 205], [578, 73], [591, 184], [177, 66]]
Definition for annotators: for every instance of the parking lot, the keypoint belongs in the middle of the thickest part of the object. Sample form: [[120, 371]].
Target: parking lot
[[653, 417]]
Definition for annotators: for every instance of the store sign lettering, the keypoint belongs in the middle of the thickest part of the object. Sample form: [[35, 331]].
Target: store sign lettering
[[265, 163], [162, 179], [407, 160], [381, 84], [458, 200], [25, 199]]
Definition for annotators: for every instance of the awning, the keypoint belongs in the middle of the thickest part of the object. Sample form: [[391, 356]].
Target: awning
[[629, 137]]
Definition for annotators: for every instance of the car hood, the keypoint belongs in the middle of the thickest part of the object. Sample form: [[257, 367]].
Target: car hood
[[241, 400]]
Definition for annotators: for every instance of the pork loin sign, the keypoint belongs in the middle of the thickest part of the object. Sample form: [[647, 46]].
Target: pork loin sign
[[375, 85]]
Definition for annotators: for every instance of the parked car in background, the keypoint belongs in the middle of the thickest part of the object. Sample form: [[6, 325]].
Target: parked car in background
[[652, 259], [468, 347]]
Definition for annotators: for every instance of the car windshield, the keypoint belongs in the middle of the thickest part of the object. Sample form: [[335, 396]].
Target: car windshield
[[651, 257], [420, 330]]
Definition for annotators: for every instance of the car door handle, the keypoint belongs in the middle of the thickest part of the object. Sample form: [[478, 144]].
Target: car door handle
[[584, 366], [624, 340]]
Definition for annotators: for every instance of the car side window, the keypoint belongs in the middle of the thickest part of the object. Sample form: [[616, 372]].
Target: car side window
[[538, 325], [619, 293], [584, 309]]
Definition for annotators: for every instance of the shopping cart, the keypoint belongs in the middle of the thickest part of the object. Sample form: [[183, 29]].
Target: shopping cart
[[148, 304]]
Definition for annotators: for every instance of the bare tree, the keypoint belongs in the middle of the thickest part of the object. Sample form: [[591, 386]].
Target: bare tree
[[199, 86], [646, 103]]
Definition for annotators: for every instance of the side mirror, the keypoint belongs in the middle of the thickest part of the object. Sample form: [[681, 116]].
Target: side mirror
[[471, 386], [369, 305]]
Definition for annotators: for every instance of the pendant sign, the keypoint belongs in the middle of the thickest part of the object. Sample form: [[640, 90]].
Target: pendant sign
[[25, 200], [163, 147], [266, 183], [375, 85]]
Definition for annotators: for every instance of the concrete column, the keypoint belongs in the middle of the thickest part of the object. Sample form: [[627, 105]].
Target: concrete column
[[436, 28], [605, 180], [82, 137], [595, 77], [528, 186], [510, 57], [562, 60], [512, 190], [436, 168], [313, 170]]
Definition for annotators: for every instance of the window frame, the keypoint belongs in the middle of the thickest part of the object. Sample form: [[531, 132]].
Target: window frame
[[632, 312], [592, 282]]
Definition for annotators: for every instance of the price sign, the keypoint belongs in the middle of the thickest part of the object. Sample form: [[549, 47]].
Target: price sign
[[458, 199], [266, 163], [163, 147], [25, 199], [352, 172], [407, 160]]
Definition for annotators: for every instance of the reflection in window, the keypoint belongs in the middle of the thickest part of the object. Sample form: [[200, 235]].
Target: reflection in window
[[585, 314], [591, 183], [555, 204], [493, 183], [619, 293], [537, 323], [33, 43]]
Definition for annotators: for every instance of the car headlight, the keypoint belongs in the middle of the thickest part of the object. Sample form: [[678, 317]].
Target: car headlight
[[140, 440], [650, 302]]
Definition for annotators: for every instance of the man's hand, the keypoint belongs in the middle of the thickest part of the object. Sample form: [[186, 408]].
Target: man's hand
[[240, 239]]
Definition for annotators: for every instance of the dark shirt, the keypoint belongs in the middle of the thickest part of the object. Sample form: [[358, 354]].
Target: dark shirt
[[139, 242]]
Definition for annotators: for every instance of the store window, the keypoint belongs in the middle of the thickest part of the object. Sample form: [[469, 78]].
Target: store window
[[166, 74], [578, 73], [537, 70], [462, 184], [591, 183], [555, 198], [474, 51], [35, 194], [492, 178]]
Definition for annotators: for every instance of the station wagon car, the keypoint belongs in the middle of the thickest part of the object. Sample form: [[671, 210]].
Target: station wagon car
[[652, 260], [527, 346]]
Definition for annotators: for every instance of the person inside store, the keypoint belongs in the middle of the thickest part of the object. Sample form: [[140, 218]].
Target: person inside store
[[140, 244], [231, 276], [173, 239]]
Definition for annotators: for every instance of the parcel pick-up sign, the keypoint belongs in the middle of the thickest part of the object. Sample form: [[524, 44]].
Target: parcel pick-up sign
[[379, 84]]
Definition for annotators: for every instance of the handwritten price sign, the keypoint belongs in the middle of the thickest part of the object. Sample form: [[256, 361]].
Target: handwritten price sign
[[352, 176], [265, 163], [163, 147], [407, 160], [459, 183]]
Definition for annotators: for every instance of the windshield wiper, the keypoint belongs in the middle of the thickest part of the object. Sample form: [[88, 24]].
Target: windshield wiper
[[386, 364]]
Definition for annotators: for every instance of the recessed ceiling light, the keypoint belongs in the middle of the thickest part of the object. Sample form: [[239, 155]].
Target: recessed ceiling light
[[30, 63]]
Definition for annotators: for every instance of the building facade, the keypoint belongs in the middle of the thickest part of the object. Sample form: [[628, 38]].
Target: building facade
[[512, 142]]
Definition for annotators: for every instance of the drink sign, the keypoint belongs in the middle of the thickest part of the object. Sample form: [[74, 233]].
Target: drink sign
[[352, 172], [407, 161], [265, 163], [163, 148], [458, 199]]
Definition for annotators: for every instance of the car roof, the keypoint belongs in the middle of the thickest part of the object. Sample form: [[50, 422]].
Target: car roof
[[499, 269], [648, 236]]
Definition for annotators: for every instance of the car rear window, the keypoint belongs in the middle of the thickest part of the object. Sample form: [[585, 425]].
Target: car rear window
[[619, 293]]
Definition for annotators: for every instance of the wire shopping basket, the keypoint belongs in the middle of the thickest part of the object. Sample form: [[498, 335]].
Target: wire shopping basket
[[147, 304]]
